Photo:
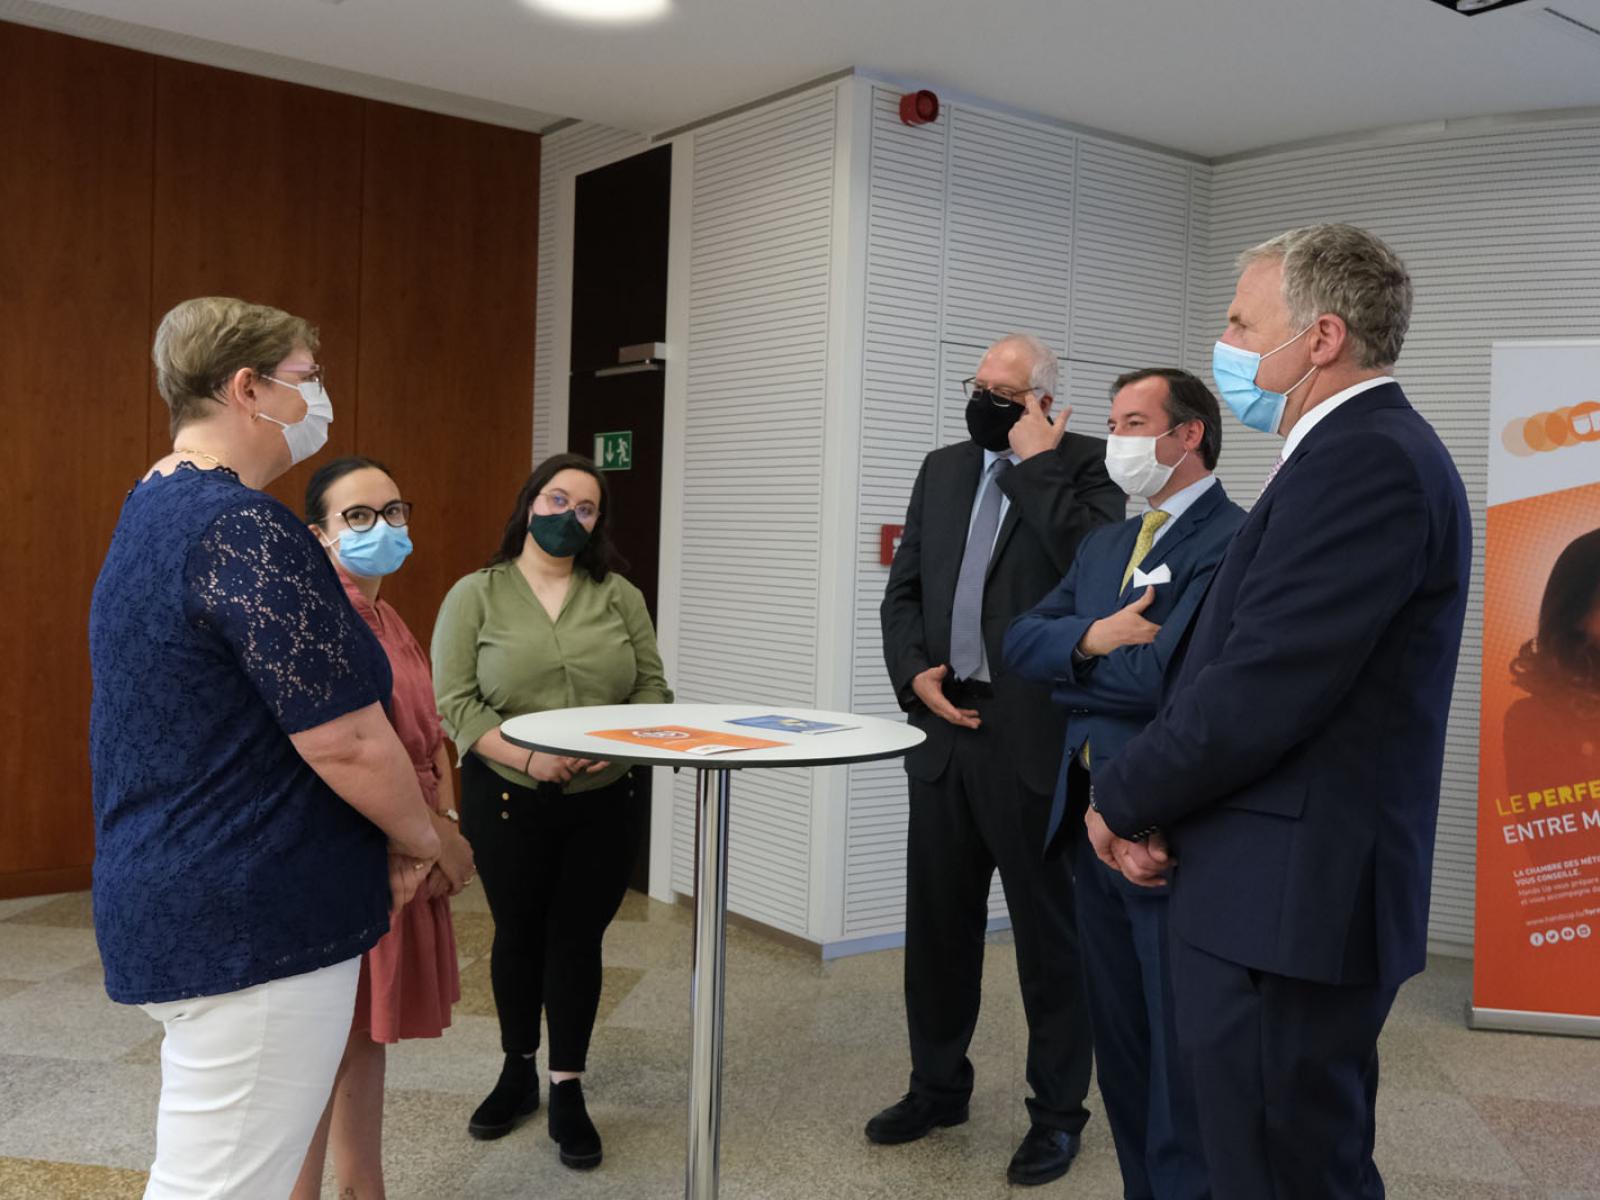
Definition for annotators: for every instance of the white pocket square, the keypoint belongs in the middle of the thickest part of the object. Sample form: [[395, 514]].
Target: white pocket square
[[1162, 574]]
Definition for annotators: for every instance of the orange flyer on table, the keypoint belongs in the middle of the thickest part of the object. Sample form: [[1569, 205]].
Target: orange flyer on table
[[699, 742]]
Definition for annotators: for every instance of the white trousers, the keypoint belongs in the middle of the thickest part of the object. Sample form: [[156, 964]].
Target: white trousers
[[244, 1078]]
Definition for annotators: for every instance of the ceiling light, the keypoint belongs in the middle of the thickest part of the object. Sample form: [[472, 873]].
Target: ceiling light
[[603, 12]]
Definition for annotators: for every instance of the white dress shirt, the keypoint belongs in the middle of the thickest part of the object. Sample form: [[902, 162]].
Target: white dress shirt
[[1181, 502]]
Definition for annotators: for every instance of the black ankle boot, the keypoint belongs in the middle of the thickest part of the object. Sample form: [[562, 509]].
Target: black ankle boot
[[515, 1097], [570, 1127]]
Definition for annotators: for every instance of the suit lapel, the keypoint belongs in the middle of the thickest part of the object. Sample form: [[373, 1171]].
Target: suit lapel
[[1007, 524], [1385, 395], [1190, 520], [955, 497], [1118, 562]]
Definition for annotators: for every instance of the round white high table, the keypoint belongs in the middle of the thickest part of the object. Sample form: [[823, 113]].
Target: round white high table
[[570, 731]]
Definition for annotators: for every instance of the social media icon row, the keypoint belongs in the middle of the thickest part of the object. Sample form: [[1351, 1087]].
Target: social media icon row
[[1566, 933]]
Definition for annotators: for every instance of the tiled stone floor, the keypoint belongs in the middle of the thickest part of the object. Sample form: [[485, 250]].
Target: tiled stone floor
[[813, 1049]]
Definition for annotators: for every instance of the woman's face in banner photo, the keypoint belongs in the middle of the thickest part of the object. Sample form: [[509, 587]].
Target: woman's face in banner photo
[[1591, 623], [1563, 658]]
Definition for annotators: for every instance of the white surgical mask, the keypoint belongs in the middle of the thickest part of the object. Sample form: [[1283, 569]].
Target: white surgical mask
[[1131, 462], [310, 433]]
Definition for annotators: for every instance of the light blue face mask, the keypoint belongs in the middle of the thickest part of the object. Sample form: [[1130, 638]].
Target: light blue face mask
[[1235, 372], [374, 552]]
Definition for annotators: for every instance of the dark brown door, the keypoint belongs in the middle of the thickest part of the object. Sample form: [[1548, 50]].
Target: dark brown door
[[619, 298]]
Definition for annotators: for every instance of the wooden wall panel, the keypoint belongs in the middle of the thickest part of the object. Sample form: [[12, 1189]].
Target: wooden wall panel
[[130, 182], [75, 124], [258, 195], [448, 283]]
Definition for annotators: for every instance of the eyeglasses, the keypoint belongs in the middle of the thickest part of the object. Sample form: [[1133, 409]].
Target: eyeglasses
[[312, 374], [998, 396], [362, 517], [583, 510]]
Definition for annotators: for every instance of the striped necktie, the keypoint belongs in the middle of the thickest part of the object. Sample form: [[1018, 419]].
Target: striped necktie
[[1271, 475]]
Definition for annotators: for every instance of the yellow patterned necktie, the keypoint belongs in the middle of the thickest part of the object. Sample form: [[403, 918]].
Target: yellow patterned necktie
[[1152, 521]]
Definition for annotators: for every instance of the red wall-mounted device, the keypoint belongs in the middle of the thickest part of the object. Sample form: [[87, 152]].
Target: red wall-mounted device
[[919, 108], [888, 543]]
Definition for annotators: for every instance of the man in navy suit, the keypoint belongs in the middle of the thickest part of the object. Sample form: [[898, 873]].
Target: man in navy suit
[[1291, 780], [1103, 640]]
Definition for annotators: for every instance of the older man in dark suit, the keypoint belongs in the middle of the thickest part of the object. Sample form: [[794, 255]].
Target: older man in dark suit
[[992, 527], [1293, 773]]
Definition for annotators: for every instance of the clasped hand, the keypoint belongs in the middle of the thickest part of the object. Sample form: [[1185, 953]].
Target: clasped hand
[[454, 870], [410, 862], [1144, 863]]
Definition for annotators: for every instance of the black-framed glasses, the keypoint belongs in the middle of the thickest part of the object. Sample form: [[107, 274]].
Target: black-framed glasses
[[362, 517], [972, 390], [583, 509]]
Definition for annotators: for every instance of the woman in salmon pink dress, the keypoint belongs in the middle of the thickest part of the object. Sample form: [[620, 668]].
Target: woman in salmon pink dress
[[409, 979]]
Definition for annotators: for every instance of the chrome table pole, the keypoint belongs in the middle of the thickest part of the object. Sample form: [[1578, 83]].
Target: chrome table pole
[[705, 997]]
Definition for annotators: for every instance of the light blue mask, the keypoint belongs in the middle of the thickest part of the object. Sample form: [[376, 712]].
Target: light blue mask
[[1235, 372], [374, 552]]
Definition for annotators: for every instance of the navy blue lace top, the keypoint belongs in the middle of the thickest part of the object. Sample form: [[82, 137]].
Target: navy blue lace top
[[218, 628]]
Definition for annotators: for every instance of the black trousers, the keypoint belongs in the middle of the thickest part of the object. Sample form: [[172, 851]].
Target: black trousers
[[554, 870], [976, 817], [1285, 1077]]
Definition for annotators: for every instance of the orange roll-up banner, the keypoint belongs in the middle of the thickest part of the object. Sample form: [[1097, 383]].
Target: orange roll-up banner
[[1537, 945]]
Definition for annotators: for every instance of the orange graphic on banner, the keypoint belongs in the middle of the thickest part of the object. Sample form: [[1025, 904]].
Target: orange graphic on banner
[[1538, 882], [684, 740], [1547, 431]]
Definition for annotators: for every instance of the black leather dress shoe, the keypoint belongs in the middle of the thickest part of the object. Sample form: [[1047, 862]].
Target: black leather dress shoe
[[1045, 1154], [913, 1117]]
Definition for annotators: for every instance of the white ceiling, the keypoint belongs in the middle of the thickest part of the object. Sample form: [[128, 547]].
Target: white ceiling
[[1211, 77]]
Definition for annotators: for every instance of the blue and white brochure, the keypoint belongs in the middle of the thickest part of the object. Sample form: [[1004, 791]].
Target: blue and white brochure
[[782, 724]]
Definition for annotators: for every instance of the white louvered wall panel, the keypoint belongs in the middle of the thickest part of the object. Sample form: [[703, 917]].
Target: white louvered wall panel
[[970, 236], [1131, 251], [900, 371], [1501, 232], [1208, 278], [1008, 234], [575, 149], [1087, 387], [757, 362]]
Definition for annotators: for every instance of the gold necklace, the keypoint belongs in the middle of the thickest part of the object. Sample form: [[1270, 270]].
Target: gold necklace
[[210, 458]]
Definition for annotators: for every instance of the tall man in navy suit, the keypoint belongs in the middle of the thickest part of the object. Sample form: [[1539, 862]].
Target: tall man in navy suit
[[1103, 641], [1291, 781], [992, 526]]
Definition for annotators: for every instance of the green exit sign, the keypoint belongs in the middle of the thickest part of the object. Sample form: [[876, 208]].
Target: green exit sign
[[614, 451]]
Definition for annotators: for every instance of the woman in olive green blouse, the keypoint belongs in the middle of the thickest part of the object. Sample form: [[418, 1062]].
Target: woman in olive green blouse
[[547, 624]]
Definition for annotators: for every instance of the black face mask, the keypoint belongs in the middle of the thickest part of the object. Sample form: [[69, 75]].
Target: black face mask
[[560, 535], [989, 422]]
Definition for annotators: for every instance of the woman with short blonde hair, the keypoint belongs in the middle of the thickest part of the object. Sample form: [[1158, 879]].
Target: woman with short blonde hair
[[255, 814]]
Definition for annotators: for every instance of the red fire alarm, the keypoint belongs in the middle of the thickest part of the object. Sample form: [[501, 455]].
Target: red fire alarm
[[888, 543], [919, 108]]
